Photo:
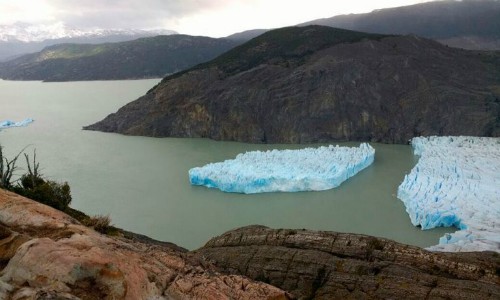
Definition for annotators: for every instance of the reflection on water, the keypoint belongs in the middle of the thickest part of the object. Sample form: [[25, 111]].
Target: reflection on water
[[143, 183]]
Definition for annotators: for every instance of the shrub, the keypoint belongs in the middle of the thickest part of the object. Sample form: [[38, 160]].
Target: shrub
[[34, 186], [100, 223], [57, 195], [7, 168], [51, 193]]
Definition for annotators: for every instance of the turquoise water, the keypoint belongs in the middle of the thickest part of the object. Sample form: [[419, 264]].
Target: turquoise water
[[142, 183]]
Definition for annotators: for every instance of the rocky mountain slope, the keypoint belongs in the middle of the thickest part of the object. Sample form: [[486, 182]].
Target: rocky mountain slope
[[329, 265], [472, 24], [141, 58], [318, 84], [45, 254]]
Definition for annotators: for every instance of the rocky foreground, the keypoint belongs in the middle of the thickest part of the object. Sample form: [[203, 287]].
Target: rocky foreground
[[328, 265], [45, 254]]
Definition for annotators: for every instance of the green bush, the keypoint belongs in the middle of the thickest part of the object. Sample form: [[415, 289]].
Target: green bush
[[51, 193], [57, 195]]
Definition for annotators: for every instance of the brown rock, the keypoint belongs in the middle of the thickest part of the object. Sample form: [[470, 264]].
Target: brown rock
[[46, 254], [329, 265]]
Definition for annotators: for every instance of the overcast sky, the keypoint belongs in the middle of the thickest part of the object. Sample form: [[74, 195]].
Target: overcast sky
[[196, 17]]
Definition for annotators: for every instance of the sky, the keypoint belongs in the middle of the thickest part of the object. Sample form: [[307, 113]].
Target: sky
[[214, 18]]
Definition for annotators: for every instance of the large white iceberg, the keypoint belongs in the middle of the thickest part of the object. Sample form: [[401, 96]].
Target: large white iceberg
[[310, 169], [9, 123], [456, 182]]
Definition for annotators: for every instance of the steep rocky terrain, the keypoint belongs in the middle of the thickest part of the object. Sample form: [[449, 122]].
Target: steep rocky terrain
[[317, 84], [45, 254], [328, 265], [141, 58]]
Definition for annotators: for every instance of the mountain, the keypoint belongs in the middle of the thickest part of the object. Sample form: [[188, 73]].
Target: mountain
[[320, 84], [469, 24], [247, 35], [21, 38], [141, 58]]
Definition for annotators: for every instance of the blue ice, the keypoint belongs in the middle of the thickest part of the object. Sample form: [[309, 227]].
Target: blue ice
[[456, 183], [309, 169], [9, 123]]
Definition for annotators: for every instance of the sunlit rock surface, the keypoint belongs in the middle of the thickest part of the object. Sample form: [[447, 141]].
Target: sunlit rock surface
[[45, 254]]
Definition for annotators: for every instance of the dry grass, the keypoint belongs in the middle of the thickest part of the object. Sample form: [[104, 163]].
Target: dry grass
[[100, 223]]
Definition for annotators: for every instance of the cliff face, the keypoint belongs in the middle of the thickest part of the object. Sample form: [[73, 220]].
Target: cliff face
[[353, 87], [45, 254], [328, 265]]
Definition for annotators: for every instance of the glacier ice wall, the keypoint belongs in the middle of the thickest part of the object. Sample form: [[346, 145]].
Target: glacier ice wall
[[456, 182], [310, 169], [9, 123]]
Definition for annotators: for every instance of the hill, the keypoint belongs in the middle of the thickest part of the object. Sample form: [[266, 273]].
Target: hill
[[22, 38], [469, 24], [140, 58], [319, 84]]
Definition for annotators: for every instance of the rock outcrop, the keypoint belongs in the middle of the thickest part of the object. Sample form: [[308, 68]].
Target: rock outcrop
[[45, 254], [328, 265], [319, 84]]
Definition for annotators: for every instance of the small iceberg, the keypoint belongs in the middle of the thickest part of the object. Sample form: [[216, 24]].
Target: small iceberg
[[456, 182], [9, 123], [310, 169]]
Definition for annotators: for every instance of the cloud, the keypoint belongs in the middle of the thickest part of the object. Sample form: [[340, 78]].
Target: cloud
[[200, 17], [130, 13]]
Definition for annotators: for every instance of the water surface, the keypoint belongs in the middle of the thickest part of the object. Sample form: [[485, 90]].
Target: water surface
[[142, 183]]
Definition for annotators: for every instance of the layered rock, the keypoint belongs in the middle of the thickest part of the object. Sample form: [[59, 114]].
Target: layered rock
[[328, 265], [319, 84], [45, 254]]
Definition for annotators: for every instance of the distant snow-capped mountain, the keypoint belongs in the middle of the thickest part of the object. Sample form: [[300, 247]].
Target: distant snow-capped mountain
[[23, 32], [22, 38]]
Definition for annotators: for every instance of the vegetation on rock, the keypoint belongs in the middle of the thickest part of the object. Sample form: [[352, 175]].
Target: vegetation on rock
[[34, 186]]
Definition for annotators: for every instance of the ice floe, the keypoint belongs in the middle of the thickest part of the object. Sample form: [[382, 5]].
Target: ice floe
[[456, 182], [310, 169], [9, 123]]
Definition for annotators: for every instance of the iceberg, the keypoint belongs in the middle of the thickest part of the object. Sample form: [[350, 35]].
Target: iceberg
[[310, 169], [456, 183], [9, 123]]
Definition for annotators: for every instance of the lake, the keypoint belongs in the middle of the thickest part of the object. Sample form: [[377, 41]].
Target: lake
[[142, 183]]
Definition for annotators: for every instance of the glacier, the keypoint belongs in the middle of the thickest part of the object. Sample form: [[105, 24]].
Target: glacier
[[9, 123], [456, 183], [309, 169]]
